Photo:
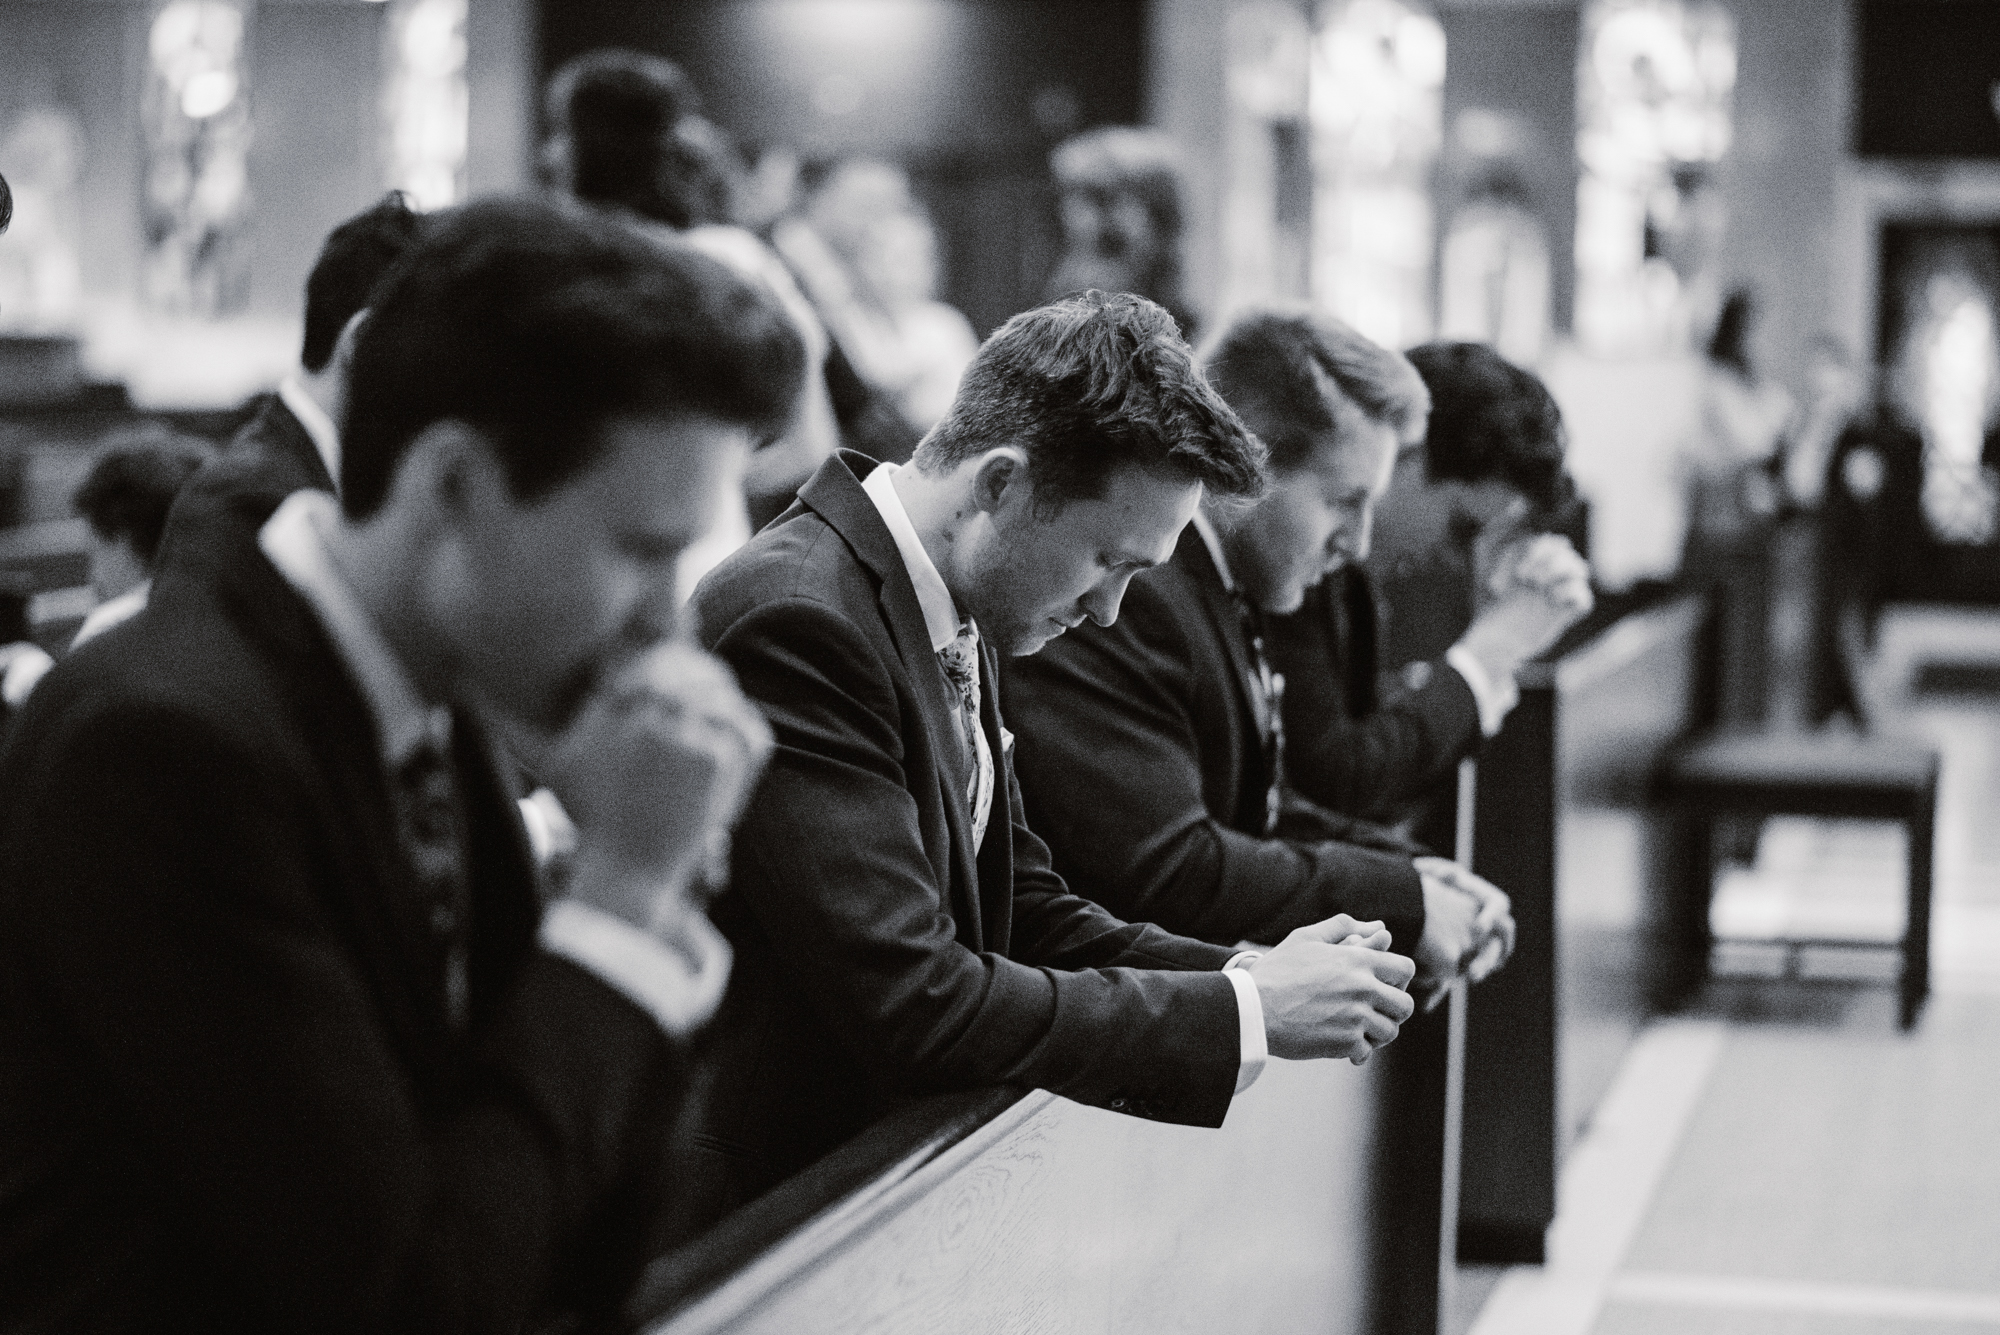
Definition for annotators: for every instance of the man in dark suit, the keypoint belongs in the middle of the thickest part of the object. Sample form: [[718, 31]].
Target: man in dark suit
[[1468, 492], [294, 439], [897, 926], [1153, 751], [287, 1042]]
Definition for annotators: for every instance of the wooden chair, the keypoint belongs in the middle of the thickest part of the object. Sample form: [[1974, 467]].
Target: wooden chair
[[1772, 774]]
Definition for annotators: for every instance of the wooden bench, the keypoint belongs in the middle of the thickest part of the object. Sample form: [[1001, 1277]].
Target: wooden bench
[[1773, 774]]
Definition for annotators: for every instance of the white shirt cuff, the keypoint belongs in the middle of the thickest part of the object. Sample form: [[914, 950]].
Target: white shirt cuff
[[679, 984], [1249, 1022], [551, 833], [1495, 699]]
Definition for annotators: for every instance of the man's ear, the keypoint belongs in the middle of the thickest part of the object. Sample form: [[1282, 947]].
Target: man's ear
[[343, 346], [450, 471], [998, 472]]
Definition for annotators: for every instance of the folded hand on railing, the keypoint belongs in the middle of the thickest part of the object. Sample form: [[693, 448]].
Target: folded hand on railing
[[1332, 989], [1468, 928]]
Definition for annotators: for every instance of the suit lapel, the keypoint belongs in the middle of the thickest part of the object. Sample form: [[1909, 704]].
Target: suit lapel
[[996, 854], [1227, 624], [835, 494], [287, 437], [377, 898]]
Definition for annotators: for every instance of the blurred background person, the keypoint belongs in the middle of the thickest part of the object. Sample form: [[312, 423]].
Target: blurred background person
[[125, 498], [1732, 470], [293, 439], [626, 136], [1119, 197], [865, 251]]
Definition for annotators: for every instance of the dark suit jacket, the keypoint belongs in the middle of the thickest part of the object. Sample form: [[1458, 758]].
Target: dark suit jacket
[[876, 955], [230, 1098], [1141, 757], [269, 459], [1343, 750]]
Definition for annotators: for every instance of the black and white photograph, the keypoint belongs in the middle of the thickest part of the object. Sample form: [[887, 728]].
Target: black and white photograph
[[1000, 667]]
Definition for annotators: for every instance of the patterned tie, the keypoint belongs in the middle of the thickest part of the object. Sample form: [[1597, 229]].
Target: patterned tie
[[1270, 689], [431, 824], [960, 661]]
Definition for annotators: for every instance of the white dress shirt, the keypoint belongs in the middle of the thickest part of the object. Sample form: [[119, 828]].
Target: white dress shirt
[[679, 985], [112, 612], [941, 619], [319, 427]]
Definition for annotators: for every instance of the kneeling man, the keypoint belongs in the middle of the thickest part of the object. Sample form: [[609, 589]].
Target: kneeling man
[[897, 925], [1152, 752], [287, 1040]]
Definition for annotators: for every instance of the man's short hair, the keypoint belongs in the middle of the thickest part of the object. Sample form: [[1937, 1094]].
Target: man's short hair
[[1284, 371], [1088, 384], [356, 256], [632, 137], [536, 322], [133, 482], [1490, 419]]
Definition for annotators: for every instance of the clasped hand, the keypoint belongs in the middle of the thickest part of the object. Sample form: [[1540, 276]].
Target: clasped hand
[[1539, 588], [1332, 989], [654, 772], [1468, 928]]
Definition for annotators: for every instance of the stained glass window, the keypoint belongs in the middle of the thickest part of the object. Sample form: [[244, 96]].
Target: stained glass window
[[1654, 89], [196, 195], [1376, 108], [428, 101]]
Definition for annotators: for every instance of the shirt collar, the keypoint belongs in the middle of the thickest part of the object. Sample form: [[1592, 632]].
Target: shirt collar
[[941, 617], [294, 540], [1213, 541], [324, 435]]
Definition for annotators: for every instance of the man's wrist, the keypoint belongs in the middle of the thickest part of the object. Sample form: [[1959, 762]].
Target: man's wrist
[[1494, 692], [1253, 1045]]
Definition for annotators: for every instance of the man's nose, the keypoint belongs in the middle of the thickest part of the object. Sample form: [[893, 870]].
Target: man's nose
[[1101, 603], [1352, 538]]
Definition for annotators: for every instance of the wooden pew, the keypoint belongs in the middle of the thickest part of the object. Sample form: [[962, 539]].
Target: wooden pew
[[1321, 1206], [1566, 822]]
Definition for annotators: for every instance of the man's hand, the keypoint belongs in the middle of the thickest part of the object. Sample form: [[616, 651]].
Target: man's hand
[[1538, 590], [1468, 928], [654, 772], [1333, 990]]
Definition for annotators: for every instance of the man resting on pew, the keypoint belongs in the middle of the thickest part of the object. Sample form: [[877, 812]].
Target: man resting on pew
[[1152, 751], [1456, 536], [287, 1042], [897, 925]]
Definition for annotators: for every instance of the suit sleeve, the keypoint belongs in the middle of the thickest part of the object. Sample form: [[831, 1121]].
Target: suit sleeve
[[831, 860], [159, 914], [1110, 760], [1376, 765]]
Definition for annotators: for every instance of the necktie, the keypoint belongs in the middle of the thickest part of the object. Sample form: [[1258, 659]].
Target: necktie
[[960, 661], [432, 828], [1269, 687]]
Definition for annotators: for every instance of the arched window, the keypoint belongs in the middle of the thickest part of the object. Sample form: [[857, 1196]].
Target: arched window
[[428, 102], [1376, 107], [1655, 81], [196, 195]]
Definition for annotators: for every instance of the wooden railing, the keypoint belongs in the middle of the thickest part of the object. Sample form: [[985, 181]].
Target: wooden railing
[[1565, 822], [1010, 1212]]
